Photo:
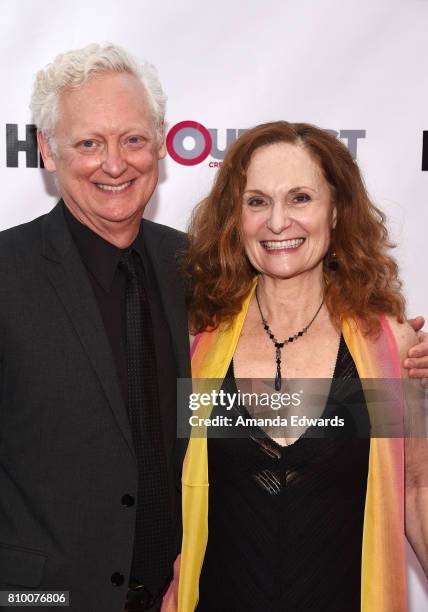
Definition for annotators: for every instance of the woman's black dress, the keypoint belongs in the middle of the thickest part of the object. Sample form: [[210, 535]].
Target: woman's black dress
[[286, 522]]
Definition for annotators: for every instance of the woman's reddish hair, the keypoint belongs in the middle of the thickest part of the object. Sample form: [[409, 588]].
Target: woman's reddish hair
[[219, 274]]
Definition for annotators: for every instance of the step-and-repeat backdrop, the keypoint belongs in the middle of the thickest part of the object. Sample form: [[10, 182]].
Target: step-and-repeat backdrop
[[358, 67]]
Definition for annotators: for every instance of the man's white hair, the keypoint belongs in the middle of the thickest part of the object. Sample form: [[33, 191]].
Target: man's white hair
[[70, 70]]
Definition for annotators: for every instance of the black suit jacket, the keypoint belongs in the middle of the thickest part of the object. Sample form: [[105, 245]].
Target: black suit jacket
[[66, 451]]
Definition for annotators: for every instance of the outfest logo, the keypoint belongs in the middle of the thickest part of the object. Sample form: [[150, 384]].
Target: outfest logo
[[204, 142], [21, 144]]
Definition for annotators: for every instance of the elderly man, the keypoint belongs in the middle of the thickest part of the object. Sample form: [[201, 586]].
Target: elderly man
[[93, 335]]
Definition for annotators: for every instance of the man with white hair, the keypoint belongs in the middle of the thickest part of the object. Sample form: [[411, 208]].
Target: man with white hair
[[93, 337]]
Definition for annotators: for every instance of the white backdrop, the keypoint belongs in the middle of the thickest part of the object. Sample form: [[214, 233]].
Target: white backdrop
[[354, 65]]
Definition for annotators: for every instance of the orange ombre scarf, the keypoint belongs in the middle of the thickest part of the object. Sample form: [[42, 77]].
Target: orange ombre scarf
[[383, 579]]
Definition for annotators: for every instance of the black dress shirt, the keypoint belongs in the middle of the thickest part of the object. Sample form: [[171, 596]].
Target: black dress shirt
[[101, 259]]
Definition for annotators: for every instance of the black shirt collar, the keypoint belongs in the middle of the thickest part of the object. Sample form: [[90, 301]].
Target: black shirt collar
[[99, 256]]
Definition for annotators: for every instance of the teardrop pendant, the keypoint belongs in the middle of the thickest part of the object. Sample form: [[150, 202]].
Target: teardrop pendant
[[278, 381], [279, 345]]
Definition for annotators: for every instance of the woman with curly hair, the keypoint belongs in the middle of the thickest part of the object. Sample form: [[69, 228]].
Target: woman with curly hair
[[291, 277]]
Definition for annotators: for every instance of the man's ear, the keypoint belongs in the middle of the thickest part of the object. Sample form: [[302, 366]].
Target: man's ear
[[162, 144], [46, 152], [162, 150]]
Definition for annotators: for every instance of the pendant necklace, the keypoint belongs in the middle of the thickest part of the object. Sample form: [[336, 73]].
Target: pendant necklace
[[280, 345]]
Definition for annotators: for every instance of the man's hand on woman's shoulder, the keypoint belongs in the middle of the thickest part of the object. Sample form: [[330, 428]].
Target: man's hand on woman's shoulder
[[416, 361]]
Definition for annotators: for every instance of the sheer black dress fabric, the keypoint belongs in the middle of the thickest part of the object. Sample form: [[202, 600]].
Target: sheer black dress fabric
[[286, 522]]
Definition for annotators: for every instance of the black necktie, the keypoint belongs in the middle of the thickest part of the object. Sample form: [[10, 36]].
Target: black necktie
[[153, 533]]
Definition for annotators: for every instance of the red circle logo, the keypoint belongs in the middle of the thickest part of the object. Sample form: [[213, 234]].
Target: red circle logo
[[201, 130]]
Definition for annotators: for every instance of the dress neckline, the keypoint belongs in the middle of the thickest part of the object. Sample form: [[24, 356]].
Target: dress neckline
[[262, 436]]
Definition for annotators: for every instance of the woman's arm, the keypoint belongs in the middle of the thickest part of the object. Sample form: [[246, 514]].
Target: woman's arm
[[416, 452], [170, 600], [416, 498]]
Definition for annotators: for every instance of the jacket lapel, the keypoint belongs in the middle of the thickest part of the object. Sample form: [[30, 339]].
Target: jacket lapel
[[171, 289], [68, 276]]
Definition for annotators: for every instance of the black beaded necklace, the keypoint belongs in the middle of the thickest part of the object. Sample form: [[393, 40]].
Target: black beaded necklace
[[280, 345]]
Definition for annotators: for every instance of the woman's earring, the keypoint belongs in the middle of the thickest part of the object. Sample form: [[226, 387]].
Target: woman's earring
[[332, 262]]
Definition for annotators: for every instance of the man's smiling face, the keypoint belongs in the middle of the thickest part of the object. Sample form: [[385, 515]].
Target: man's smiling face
[[106, 152]]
